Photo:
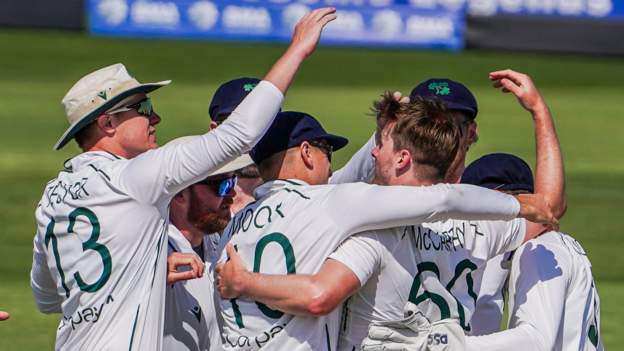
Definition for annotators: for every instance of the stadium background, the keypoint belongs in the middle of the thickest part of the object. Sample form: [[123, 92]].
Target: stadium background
[[337, 85]]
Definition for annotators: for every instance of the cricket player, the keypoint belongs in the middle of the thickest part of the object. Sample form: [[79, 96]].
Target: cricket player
[[100, 247], [490, 278], [224, 101], [358, 169], [382, 261], [390, 334], [298, 220], [198, 214], [553, 300], [462, 105]]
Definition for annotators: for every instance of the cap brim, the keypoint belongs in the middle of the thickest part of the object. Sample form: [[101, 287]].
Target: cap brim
[[241, 161], [90, 117], [453, 106], [337, 142]]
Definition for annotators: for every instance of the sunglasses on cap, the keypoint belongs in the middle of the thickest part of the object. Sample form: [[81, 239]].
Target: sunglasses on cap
[[323, 146], [143, 107], [221, 187]]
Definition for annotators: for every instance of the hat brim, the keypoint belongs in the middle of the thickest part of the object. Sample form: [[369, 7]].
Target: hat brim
[[234, 165], [453, 106], [337, 142], [90, 117]]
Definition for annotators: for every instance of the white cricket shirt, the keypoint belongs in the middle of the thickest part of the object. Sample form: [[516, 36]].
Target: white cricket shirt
[[553, 301], [429, 264], [101, 242], [190, 315], [490, 279], [293, 227]]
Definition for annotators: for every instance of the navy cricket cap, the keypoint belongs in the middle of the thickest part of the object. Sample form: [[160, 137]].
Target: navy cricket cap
[[228, 96], [454, 94], [289, 129], [499, 172]]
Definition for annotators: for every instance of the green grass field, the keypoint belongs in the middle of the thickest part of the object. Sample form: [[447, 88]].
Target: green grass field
[[337, 85]]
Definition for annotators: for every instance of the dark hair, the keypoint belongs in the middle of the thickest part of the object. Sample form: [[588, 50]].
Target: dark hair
[[84, 134], [422, 126]]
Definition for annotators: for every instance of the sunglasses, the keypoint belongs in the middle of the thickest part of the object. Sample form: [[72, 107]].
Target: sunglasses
[[143, 107], [221, 187], [323, 146]]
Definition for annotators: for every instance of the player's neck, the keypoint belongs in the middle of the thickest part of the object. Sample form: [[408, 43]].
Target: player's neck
[[412, 179], [111, 148], [193, 235], [293, 174]]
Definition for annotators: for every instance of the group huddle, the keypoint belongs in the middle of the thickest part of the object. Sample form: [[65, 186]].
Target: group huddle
[[243, 238]]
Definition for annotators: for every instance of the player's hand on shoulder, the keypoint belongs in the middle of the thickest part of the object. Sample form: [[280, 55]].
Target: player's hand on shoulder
[[178, 260], [308, 30], [232, 275], [521, 85], [534, 208]]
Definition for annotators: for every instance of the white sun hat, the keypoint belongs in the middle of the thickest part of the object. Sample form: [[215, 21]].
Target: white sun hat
[[240, 162], [98, 92]]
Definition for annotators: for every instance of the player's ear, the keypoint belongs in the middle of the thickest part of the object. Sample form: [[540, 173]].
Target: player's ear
[[305, 153], [105, 124], [179, 207], [182, 197], [403, 160], [213, 125], [473, 133]]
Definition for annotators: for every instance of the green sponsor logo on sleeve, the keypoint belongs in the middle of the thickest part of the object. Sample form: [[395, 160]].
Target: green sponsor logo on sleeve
[[102, 94]]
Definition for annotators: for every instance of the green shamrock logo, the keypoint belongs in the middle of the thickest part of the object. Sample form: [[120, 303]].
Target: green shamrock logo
[[440, 88], [249, 86]]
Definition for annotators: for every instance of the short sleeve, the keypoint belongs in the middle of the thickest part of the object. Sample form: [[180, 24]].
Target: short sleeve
[[362, 254]]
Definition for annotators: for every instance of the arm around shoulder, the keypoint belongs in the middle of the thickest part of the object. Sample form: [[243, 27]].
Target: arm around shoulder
[[299, 294]]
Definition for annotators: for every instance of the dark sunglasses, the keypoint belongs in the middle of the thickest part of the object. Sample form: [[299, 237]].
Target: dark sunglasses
[[324, 146], [143, 107], [221, 187]]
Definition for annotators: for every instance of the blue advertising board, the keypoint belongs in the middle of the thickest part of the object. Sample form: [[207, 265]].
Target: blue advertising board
[[597, 9], [413, 23]]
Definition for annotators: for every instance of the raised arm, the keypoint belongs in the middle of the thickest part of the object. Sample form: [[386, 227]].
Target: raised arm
[[161, 173], [549, 171], [304, 41]]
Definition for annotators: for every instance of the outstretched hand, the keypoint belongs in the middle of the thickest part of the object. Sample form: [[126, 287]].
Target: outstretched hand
[[177, 260], [231, 275], [304, 41], [521, 85], [308, 30]]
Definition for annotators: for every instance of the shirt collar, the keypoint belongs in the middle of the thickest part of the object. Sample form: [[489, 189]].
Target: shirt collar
[[178, 240], [85, 158], [274, 186]]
